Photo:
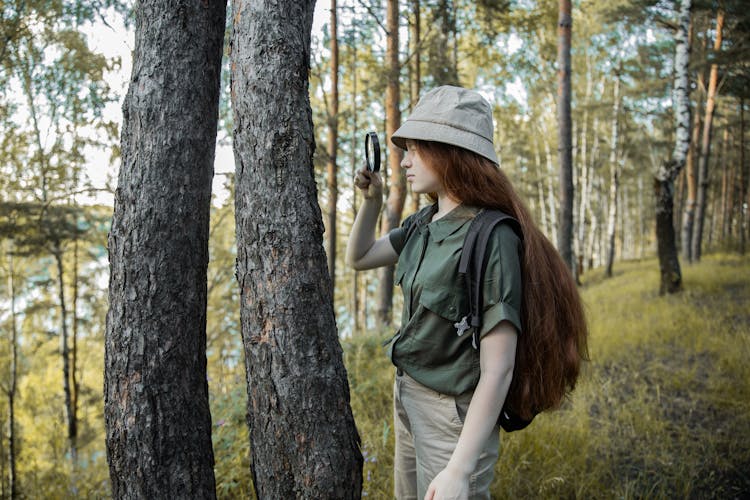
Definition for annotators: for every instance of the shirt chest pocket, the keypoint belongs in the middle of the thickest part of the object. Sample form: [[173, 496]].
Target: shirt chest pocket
[[447, 301]]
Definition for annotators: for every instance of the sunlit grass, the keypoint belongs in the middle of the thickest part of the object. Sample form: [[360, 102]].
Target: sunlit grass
[[662, 410]]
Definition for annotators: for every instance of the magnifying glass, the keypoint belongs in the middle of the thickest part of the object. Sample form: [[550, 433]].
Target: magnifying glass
[[372, 152]]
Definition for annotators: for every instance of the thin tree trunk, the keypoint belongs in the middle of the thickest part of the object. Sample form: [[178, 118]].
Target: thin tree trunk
[[727, 191], [744, 199], [552, 206], [12, 382], [669, 264], [688, 218], [357, 326], [641, 218], [65, 353], [614, 169], [303, 440], [394, 206], [416, 56], [416, 76], [595, 228], [156, 393], [333, 139], [565, 149], [584, 180], [540, 191], [702, 194], [74, 383]]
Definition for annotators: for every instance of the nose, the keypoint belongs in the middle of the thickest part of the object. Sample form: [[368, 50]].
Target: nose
[[405, 162]]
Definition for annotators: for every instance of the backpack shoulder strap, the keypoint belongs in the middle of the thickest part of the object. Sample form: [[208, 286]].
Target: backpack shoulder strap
[[472, 264]]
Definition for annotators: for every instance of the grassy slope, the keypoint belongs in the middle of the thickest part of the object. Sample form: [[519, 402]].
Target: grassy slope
[[662, 411]]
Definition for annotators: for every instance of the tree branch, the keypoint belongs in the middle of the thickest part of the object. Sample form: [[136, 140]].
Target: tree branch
[[375, 16]]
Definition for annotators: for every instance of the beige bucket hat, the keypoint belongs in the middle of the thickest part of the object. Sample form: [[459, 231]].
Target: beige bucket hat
[[451, 115]]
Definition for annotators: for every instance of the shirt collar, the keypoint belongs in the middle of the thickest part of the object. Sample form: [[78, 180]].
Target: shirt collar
[[449, 223]]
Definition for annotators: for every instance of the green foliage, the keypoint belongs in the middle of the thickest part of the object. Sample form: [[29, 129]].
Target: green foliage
[[231, 440]]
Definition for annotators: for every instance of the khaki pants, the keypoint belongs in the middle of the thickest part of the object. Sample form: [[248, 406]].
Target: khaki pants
[[427, 425]]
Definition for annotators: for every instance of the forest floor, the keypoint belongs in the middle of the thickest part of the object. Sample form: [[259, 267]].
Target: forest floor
[[662, 410]]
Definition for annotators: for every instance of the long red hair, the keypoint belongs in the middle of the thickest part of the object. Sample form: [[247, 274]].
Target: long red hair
[[553, 342]]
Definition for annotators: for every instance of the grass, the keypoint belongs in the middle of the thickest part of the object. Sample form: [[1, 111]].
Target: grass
[[661, 411]]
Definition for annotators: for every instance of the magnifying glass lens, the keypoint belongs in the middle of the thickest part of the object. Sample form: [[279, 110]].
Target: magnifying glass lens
[[372, 152]]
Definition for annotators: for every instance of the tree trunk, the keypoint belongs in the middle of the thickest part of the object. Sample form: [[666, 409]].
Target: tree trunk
[[669, 264], [443, 51], [302, 436], [584, 177], [156, 393], [12, 383], [416, 56], [702, 194], [416, 76], [688, 218], [727, 191], [394, 206], [614, 169], [355, 164], [565, 234], [744, 202], [70, 416], [333, 138], [74, 384], [540, 191], [552, 206]]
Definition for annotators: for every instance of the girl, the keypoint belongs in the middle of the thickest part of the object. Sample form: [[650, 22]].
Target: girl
[[448, 394]]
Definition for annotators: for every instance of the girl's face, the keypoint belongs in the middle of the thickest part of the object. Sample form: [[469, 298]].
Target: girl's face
[[423, 179]]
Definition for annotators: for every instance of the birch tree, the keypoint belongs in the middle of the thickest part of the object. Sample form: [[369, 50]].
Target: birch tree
[[669, 264], [614, 170]]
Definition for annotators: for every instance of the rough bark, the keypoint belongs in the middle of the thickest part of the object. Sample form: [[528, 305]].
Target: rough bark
[[614, 170], [333, 146], [157, 417], [565, 148], [394, 205], [702, 193], [669, 264], [302, 436]]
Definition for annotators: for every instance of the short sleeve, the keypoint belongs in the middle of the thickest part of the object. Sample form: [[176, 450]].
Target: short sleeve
[[398, 236], [502, 292]]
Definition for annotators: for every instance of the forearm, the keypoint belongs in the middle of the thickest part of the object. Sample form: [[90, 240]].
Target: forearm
[[362, 236], [497, 353], [480, 420]]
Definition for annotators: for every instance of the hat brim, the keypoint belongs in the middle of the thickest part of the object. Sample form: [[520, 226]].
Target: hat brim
[[437, 132]]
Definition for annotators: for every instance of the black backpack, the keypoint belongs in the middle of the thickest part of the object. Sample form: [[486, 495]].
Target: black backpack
[[471, 268]]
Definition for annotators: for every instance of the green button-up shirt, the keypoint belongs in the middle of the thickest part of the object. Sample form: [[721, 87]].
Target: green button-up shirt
[[427, 345]]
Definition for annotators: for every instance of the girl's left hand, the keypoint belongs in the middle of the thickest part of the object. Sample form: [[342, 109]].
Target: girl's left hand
[[448, 485]]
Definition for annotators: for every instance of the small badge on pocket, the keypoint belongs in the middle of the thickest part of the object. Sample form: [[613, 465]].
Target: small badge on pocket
[[462, 326]]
